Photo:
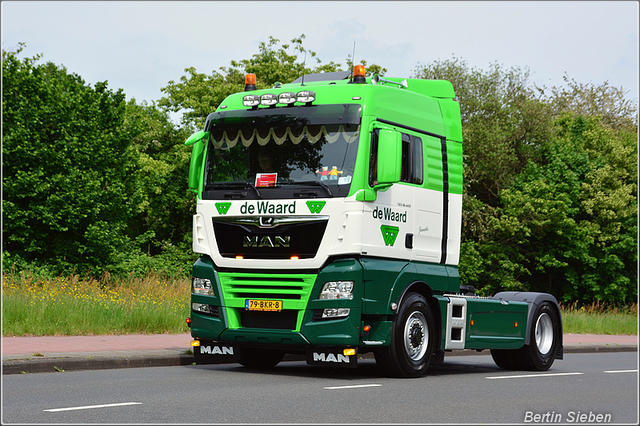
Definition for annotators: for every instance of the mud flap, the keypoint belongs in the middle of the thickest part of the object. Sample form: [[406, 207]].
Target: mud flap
[[216, 353], [331, 357]]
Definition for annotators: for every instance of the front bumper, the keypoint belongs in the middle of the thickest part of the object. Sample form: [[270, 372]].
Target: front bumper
[[299, 323]]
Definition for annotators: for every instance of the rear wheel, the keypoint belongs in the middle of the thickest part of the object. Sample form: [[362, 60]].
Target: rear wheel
[[260, 359], [504, 358], [412, 342], [544, 339]]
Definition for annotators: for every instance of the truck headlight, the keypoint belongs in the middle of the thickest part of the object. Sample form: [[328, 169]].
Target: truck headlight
[[201, 286], [205, 309], [335, 313], [337, 290]]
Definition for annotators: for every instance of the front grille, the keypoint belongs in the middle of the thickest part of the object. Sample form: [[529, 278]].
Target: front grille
[[261, 286], [269, 237], [267, 296], [292, 289], [283, 320]]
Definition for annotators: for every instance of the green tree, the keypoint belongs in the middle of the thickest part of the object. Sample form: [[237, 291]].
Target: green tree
[[550, 195], [163, 223], [567, 225], [589, 100], [69, 172], [163, 167], [503, 122]]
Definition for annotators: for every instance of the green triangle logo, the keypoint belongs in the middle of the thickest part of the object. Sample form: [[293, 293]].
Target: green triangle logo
[[315, 206], [223, 208], [389, 234]]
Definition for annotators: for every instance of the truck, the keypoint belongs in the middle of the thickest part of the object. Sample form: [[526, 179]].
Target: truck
[[328, 224]]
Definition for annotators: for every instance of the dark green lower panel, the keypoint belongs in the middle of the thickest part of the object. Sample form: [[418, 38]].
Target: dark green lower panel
[[494, 325], [206, 327]]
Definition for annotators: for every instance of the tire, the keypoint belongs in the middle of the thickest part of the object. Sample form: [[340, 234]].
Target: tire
[[544, 337], [260, 359], [412, 342], [504, 359]]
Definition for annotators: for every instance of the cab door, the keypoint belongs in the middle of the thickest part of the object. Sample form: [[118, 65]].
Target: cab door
[[394, 175]]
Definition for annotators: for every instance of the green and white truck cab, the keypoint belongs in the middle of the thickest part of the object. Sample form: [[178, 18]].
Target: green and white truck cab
[[329, 214]]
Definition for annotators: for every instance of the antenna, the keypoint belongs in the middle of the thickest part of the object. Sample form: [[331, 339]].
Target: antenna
[[304, 64], [353, 61]]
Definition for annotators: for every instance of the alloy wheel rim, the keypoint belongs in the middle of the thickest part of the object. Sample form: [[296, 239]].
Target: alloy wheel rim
[[416, 336], [544, 333]]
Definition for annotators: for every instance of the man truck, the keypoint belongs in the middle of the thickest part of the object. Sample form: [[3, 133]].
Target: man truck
[[328, 220]]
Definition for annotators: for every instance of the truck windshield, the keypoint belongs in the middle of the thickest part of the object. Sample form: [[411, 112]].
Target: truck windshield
[[305, 151]]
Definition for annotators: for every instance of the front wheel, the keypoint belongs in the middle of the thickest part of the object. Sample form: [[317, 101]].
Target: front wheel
[[412, 342], [504, 358]]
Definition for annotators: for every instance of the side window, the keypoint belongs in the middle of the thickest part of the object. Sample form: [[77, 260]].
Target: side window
[[405, 175], [373, 157], [412, 161], [418, 163]]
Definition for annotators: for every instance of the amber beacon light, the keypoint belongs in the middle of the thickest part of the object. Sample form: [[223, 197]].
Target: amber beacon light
[[250, 82], [358, 74]]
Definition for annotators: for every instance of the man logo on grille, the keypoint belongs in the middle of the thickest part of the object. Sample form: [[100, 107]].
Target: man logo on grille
[[266, 241], [315, 206], [389, 234], [223, 208]]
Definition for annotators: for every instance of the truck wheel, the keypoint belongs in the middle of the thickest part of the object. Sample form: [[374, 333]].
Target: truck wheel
[[540, 353], [260, 359], [412, 342], [504, 358]]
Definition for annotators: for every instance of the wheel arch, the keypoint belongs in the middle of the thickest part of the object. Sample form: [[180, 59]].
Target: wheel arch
[[425, 290]]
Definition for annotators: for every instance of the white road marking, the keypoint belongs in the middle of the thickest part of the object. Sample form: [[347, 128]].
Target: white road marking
[[88, 407], [524, 376], [622, 371], [352, 386]]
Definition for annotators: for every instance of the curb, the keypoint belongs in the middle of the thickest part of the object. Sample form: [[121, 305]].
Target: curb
[[78, 362], [63, 364]]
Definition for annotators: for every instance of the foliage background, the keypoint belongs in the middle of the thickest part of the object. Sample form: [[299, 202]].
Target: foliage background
[[95, 185]]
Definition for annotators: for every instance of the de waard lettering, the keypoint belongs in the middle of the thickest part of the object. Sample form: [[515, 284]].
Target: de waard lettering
[[265, 207], [387, 214]]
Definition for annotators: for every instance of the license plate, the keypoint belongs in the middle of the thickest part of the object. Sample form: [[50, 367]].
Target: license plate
[[263, 305]]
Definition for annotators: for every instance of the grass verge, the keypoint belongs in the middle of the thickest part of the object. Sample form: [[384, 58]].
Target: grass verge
[[600, 319], [34, 305], [37, 306]]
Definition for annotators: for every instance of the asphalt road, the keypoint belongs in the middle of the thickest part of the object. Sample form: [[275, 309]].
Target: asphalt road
[[582, 387]]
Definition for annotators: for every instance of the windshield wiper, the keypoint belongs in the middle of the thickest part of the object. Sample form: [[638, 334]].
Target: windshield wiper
[[252, 186], [234, 185], [325, 187], [311, 182]]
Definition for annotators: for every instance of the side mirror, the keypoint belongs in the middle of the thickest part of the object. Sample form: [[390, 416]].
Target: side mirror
[[389, 156], [196, 137], [195, 166]]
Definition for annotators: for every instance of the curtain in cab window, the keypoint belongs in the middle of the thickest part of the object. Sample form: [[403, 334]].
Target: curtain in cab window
[[279, 135]]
